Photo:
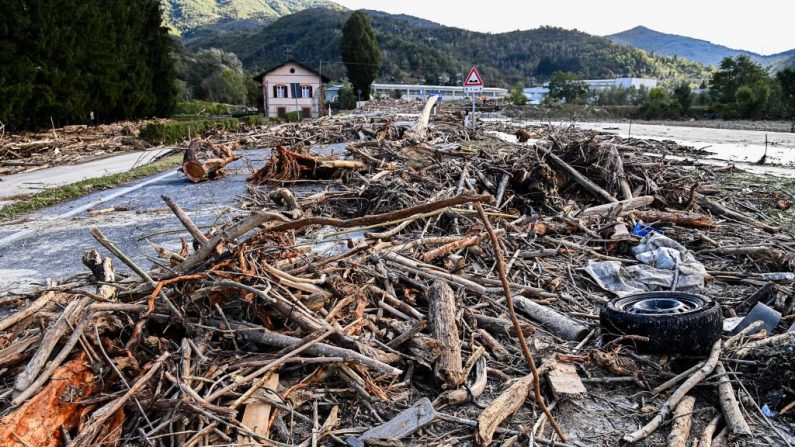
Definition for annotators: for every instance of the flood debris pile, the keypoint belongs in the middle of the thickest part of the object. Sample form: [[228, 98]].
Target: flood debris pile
[[26, 151], [437, 292]]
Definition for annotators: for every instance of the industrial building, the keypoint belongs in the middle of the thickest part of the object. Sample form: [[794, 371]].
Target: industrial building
[[414, 91], [536, 95]]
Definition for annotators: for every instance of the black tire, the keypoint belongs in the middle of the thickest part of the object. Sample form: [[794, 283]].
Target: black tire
[[673, 321]]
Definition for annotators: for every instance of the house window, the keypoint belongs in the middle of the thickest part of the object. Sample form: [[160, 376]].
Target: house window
[[281, 112], [306, 112], [279, 91], [306, 91]]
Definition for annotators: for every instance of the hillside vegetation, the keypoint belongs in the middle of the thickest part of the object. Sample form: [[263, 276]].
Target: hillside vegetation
[[419, 50], [188, 15], [697, 50]]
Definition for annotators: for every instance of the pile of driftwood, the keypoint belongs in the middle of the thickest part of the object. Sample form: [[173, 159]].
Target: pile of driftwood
[[27, 151], [432, 295]]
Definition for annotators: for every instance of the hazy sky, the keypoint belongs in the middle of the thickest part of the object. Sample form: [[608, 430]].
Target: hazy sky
[[763, 26]]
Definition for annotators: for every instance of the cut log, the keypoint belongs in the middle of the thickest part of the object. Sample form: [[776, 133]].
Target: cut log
[[197, 169], [682, 420], [448, 369], [551, 320], [38, 421]]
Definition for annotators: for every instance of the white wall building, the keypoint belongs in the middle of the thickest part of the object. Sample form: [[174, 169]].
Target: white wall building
[[292, 86], [535, 95], [635, 82]]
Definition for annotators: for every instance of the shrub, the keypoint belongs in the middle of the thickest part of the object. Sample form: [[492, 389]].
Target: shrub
[[293, 117], [174, 131], [346, 99], [201, 108], [396, 94], [517, 97], [252, 120]]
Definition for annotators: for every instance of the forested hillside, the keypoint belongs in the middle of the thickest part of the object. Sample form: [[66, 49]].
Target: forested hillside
[[60, 60], [187, 15], [419, 50]]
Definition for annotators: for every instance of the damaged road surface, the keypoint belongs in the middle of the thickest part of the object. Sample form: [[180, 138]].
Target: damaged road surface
[[415, 284]]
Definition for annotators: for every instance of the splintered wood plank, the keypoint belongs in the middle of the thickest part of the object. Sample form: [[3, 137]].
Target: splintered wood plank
[[258, 413], [565, 382]]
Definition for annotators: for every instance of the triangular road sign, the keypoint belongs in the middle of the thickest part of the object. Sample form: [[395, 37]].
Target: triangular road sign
[[473, 79]]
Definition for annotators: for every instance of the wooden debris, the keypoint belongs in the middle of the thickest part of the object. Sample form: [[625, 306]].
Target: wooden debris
[[735, 420], [682, 421], [448, 368], [565, 382], [403, 424]]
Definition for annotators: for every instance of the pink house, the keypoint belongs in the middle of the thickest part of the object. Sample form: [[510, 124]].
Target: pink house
[[292, 86]]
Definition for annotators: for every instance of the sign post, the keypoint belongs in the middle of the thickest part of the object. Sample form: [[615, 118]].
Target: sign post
[[473, 84]]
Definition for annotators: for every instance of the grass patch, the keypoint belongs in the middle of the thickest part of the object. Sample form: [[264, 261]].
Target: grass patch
[[51, 196]]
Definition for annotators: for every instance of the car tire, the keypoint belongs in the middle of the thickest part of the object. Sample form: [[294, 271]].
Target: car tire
[[674, 322]]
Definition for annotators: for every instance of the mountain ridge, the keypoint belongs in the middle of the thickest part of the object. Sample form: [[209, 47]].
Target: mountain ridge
[[420, 50], [691, 48]]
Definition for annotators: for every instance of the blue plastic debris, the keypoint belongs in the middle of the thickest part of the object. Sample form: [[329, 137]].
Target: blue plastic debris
[[642, 230], [767, 411]]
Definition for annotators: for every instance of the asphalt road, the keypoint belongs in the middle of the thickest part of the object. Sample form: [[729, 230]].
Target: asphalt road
[[49, 244]]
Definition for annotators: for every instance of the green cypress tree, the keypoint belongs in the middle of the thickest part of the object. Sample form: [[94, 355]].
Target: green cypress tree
[[360, 53]]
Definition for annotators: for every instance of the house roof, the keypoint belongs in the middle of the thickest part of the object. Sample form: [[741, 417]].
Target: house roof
[[259, 77]]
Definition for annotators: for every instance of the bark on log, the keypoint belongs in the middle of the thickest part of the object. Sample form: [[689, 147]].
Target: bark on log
[[709, 431], [623, 184], [728, 403], [680, 429], [32, 308], [448, 369], [38, 421], [625, 205], [681, 218], [73, 312], [551, 320]]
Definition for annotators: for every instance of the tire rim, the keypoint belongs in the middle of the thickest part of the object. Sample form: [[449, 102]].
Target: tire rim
[[660, 304]]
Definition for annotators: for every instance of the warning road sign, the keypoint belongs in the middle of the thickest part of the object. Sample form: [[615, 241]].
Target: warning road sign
[[473, 83]]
